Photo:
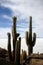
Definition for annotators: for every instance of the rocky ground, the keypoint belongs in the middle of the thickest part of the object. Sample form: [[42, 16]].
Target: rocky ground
[[35, 59], [36, 62]]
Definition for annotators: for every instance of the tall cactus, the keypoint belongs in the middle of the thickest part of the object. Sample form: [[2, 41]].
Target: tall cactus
[[14, 35], [29, 40], [17, 52], [9, 47]]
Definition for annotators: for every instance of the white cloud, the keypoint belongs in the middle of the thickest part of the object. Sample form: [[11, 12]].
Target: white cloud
[[4, 44], [23, 45], [7, 17], [3, 32], [37, 48], [25, 8]]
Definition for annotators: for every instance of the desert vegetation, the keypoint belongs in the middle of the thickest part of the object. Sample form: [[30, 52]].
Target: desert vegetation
[[15, 57]]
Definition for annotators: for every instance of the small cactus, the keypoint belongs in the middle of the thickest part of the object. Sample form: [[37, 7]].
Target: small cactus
[[24, 55], [30, 43]]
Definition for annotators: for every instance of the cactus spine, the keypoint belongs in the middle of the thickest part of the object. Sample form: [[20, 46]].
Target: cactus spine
[[9, 47], [17, 52], [14, 35], [29, 40]]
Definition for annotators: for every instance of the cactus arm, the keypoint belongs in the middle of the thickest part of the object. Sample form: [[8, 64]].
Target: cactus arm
[[27, 38], [9, 47], [17, 34], [34, 39], [17, 52]]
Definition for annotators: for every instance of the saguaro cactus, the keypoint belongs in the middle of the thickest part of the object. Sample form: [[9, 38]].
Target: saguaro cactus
[[14, 35], [29, 40], [17, 52], [9, 46]]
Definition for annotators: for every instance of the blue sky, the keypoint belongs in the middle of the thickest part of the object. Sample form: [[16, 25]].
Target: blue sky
[[4, 22], [22, 9]]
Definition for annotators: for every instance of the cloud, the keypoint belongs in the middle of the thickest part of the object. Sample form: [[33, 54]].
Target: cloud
[[3, 32], [7, 17], [23, 45], [3, 43], [25, 8], [37, 48]]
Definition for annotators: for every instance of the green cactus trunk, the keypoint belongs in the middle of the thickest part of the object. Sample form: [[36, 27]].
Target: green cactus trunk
[[14, 36], [9, 47], [29, 50], [17, 52], [30, 37]]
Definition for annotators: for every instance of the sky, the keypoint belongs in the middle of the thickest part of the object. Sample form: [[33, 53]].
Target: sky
[[22, 9]]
